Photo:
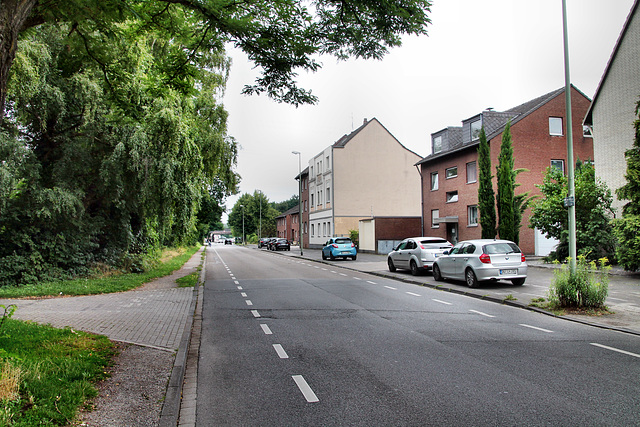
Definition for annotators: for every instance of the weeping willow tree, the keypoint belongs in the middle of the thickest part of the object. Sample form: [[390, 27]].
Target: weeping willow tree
[[105, 163]]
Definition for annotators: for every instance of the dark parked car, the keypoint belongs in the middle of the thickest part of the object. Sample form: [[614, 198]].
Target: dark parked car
[[269, 244], [281, 245], [228, 241], [263, 242], [478, 260], [339, 247]]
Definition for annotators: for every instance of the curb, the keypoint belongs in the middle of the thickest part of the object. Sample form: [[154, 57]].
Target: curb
[[171, 407]]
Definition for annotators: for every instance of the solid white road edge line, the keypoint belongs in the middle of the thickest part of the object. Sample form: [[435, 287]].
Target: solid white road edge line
[[628, 353], [305, 389]]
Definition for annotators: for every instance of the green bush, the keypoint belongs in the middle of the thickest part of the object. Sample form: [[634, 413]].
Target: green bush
[[627, 231], [588, 287]]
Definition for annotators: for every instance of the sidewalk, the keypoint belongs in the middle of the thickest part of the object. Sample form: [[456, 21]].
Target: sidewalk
[[158, 316], [623, 299]]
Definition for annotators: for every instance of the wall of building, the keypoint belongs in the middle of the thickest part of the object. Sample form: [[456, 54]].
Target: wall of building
[[614, 111], [374, 175], [533, 149]]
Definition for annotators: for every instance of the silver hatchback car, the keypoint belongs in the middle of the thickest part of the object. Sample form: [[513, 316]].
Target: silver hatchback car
[[480, 260], [417, 253]]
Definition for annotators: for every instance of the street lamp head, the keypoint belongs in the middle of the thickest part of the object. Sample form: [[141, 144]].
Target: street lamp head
[[295, 152]]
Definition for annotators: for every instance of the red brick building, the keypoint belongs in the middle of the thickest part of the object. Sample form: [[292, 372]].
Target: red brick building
[[287, 224], [538, 132]]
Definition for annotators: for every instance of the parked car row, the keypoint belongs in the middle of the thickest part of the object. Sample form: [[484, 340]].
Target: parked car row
[[473, 261], [274, 244]]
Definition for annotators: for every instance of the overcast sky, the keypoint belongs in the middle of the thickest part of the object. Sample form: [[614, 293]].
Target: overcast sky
[[478, 54]]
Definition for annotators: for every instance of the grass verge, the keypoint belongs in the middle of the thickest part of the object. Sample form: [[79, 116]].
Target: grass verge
[[102, 285], [47, 374]]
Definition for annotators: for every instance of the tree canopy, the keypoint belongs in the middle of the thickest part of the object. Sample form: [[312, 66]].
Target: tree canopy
[[280, 37], [594, 236]]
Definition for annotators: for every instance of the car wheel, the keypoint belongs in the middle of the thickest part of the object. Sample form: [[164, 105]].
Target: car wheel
[[324, 257], [331, 257], [436, 273], [354, 257], [518, 282], [472, 280], [414, 268]]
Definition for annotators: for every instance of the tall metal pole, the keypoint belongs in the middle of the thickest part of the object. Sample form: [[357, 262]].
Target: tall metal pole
[[299, 199], [260, 232], [570, 203]]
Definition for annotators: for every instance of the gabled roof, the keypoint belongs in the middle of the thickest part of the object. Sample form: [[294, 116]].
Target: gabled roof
[[304, 172], [495, 121], [346, 138], [293, 210], [588, 119]]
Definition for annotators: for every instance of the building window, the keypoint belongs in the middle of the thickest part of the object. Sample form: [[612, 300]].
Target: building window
[[311, 174], [437, 144], [451, 172], [312, 205], [329, 228], [558, 164], [328, 194], [555, 126], [452, 196], [475, 129], [435, 214], [472, 216], [313, 228], [327, 163], [434, 181], [472, 175]]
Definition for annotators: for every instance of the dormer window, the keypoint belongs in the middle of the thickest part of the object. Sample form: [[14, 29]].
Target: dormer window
[[475, 129], [437, 144]]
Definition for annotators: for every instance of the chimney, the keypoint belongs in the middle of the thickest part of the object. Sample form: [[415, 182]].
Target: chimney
[[364, 122]]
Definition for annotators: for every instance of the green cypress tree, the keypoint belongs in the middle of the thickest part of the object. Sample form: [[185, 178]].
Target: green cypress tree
[[486, 195], [506, 186], [627, 228]]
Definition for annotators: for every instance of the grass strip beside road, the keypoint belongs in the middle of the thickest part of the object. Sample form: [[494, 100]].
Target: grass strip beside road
[[101, 285], [48, 374]]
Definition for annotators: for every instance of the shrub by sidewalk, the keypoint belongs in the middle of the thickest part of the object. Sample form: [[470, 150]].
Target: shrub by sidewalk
[[587, 287]]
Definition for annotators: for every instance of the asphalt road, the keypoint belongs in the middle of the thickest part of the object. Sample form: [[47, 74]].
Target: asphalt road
[[286, 341]]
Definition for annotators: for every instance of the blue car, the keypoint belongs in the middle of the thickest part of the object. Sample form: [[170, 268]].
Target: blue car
[[339, 247]]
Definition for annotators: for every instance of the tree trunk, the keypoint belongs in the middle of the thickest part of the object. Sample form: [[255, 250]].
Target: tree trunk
[[14, 16]]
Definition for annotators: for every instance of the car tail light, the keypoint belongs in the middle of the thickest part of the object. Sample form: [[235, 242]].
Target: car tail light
[[522, 258], [421, 247], [485, 259], [353, 245], [334, 245]]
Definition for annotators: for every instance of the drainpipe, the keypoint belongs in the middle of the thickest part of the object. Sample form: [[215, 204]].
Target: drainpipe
[[421, 200]]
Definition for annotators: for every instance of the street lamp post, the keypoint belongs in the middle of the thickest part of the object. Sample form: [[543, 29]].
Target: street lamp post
[[570, 200], [299, 199]]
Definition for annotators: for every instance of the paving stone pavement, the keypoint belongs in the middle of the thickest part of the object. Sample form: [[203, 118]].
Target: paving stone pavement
[[153, 315]]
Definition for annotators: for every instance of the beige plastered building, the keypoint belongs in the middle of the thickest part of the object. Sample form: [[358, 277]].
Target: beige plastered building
[[367, 173]]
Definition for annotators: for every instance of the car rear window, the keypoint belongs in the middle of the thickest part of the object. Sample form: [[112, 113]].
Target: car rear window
[[435, 243], [343, 241], [501, 248]]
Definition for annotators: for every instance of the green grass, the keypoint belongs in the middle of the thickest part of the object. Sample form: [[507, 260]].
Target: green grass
[[189, 281], [101, 285], [53, 372], [46, 374]]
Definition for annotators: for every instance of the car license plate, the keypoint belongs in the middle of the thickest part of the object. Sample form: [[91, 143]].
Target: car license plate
[[346, 252], [508, 272]]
